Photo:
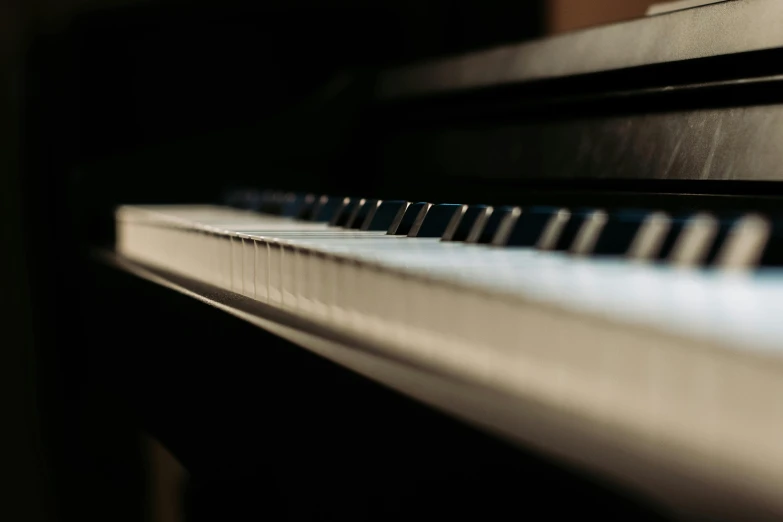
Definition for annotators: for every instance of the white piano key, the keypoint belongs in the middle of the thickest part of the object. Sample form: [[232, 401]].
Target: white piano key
[[374, 301], [303, 282], [391, 304], [186, 250], [262, 269], [274, 262], [352, 275], [340, 276], [224, 257], [236, 262], [331, 275], [214, 254], [318, 284], [288, 277], [248, 265], [361, 308], [194, 251]]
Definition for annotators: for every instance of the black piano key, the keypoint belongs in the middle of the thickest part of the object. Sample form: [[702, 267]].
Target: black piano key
[[277, 202], [403, 225], [362, 214], [529, 226], [257, 199], [553, 230], [319, 202], [232, 198], [308, 206], [586, 239], [326, 209], [385, 215], [271, 202], [252, 200], [725, 225], [456, 217], [371, 210], [507, 224], [772, 254], [478, 226], [464, 222], [620, 231], [571, 229], [246, 199], [344, 212], [293, 205], [677, 225], [487, 231], [354, 212], [746, 243], [649, 240], [434, 222], [695, 241]]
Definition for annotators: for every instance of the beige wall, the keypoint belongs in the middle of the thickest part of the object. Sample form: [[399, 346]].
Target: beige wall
[[566, 15]]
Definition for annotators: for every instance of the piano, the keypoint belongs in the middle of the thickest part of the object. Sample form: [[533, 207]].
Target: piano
[[548, 275]]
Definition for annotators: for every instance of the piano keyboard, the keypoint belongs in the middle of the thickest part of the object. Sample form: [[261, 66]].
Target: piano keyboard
[[666, 327]]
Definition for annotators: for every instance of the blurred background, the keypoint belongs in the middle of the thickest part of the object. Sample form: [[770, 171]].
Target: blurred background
[[569, 15], [136, 89]]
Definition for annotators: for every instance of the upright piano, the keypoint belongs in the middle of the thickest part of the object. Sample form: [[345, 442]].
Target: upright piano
[[537, 278]]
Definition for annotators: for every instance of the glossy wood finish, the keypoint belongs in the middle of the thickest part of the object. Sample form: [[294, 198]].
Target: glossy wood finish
[[710, 31]]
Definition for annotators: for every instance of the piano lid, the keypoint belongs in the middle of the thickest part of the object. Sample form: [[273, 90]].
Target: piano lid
[[722, 28], [679, 5]]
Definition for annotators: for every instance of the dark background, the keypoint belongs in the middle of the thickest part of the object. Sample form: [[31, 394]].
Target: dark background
[[190, 97]]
